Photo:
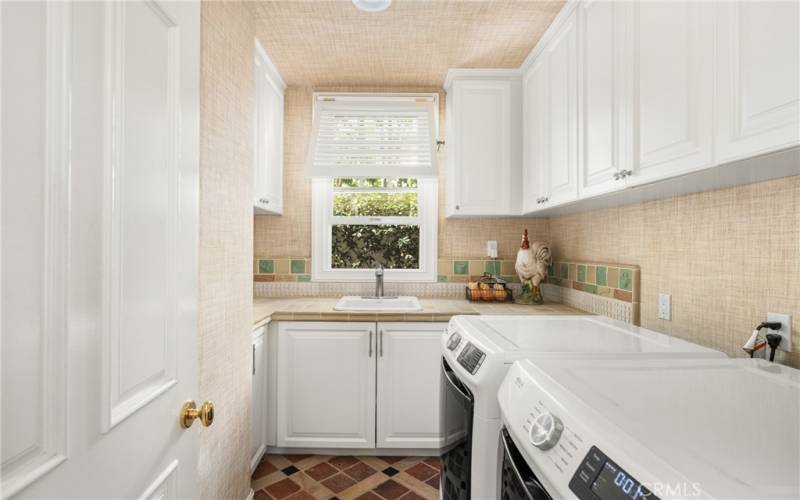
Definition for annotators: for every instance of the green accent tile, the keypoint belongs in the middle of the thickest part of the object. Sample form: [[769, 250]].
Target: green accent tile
[[601, 275], [492, 267], [460, 267], [626, 279], [551, 270], [564, 270], [298, 266], [581, 273], [266, 267], [304, 278], [441, 278], [588, 287]]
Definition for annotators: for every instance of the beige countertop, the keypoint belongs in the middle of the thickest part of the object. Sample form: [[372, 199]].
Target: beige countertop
[[433, 309]]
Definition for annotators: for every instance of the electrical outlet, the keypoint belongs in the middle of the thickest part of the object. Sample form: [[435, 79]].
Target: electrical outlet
[[785, 331], [491, 249], [665, 306]]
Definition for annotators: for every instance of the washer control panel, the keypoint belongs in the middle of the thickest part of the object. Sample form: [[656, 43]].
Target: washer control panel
[[471, 358]]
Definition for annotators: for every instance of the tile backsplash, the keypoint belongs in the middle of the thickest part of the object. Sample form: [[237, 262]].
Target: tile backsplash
[[616, 281]]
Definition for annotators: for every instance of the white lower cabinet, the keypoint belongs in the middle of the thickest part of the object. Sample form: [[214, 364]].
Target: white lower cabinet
[[358, 385], [408, 385], [258, 432]]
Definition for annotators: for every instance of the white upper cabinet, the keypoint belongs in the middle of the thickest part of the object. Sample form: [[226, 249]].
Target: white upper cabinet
[[562, 116], [483, 145], [603, 89], [758, 78], [673, 66], [268, 145], [534, 140]]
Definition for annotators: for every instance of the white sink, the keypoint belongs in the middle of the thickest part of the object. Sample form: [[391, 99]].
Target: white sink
[[354, 303]]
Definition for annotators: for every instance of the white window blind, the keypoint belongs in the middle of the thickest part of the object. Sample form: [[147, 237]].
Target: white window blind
[[373, 136]]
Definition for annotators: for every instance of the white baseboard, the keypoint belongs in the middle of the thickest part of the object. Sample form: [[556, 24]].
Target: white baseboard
[[368, 452]]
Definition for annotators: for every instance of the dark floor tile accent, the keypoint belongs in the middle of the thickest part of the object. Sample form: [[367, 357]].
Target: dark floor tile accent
[[321, 471], [391, 490], [338, 483], [421, 471], [390, 471], [342, 463], [282, 489], [360, 471], [290, 470]]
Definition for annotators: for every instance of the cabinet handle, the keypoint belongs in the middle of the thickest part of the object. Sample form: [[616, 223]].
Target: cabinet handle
[[458, 207], [370, 343], [254, 359], [380, 342]]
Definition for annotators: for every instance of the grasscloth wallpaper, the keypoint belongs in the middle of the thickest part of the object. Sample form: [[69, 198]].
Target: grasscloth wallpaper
[[226, 245], [289, 235], [727, 257]]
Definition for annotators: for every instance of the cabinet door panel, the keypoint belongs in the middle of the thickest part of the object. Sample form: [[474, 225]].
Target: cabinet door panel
[[482, 149], [673, 47], [408, 385], [758, 84], [326, 385], [535, 135], [603, 93], [259, 398], [562, 115]]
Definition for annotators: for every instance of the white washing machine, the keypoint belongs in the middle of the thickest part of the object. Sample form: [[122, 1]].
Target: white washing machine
[[476, 354], [640, 429]]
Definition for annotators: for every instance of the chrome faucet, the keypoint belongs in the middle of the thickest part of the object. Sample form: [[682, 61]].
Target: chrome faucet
[[379, 281]]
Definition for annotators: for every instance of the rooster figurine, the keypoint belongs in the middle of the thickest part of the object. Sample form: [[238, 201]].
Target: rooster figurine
[[532, 263]]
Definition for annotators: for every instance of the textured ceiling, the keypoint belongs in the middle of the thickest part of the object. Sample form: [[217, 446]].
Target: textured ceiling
[[321, 43]]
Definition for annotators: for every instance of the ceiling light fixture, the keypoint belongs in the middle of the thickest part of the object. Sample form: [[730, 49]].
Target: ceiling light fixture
[[372, 5]]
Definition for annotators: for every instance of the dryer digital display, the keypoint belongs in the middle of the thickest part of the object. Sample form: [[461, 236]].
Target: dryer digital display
[[599, 477]]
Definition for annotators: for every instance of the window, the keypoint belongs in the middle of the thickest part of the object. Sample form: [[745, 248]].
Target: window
[[362, 220]]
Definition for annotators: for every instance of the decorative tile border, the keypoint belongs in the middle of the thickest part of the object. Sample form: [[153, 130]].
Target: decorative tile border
[[627, 312], [285, 269], [298, 269], [616, 281], [276, 289]]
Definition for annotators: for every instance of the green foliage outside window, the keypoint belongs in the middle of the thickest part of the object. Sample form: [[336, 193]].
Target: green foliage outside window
[[363, 246]]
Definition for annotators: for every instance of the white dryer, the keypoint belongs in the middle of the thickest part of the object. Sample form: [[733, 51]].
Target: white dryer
[[477, 351], [640, 429]]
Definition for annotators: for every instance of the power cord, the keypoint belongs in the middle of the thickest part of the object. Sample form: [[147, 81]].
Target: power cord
[[773, 340]]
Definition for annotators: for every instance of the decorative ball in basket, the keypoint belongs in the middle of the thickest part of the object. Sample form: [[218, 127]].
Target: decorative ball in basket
[[532, 263]]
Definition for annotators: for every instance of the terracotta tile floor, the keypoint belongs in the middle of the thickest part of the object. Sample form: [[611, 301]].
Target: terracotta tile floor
[[298, 477]]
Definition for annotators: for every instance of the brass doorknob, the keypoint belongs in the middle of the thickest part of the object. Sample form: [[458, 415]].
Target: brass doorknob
[[190, 413]]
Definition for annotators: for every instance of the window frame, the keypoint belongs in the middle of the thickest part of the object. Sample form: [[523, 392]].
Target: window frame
[[323, 221]]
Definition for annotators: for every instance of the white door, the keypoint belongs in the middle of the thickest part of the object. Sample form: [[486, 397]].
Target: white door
[[99, 248], [673, 44], [604, 129], [534, 141], [409, 378], [258, 432], [562, 98], [326, 384], [758, 78], [481, 128]]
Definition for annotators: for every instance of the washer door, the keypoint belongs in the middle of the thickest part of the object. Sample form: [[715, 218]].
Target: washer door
[[456, 410], [519, 481]]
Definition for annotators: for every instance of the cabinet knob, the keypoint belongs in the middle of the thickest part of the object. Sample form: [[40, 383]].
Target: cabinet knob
[[458, 207], [190, 413], [617, 176]]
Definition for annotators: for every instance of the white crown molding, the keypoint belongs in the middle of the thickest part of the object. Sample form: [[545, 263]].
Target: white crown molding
[[480, 73]]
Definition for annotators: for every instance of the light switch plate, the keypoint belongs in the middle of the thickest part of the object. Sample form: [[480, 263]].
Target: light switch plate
[[785, 331], [665, 306]]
